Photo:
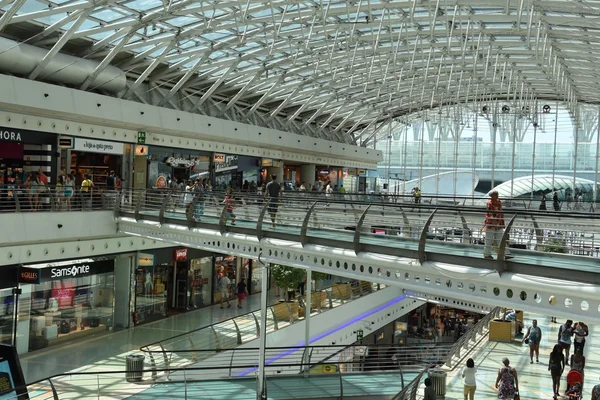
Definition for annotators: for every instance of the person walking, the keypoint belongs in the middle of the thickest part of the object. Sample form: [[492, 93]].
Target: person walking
[[68, 191], [199, 190], [507, 381], [556, 366], [580, 332], [578, 361], [533, 337], [229, 204], [494, 226], [87, 187], [242, 292], [429, 390], [224, 284], [555, 203], [273, 191], [565, 334], [543, 202], [468, 374]]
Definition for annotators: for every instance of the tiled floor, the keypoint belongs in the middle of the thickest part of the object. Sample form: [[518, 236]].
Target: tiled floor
[[107, 352], [534, 379]]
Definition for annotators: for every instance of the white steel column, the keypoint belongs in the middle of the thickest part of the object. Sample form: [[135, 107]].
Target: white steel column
[[261, 393], [595, 188], [308, 288]]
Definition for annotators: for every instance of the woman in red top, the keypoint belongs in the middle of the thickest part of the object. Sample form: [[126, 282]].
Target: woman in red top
[[494, 226], [230, 203]]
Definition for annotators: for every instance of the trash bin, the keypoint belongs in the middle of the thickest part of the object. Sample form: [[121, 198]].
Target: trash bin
[[134, 367], [438, 381]]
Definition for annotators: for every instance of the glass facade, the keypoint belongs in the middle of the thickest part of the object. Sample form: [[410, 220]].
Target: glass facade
[[495, 150]]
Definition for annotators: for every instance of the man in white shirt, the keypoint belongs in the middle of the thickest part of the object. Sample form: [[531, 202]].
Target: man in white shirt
[[224, 285]]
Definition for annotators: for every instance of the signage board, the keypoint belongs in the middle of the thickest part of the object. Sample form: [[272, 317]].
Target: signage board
[[11, 374], [26, 136], [180, 254], [65, 142], [29, 275], [219, 158], [145, 260], [359, 335], [98, 146], [141, 138], [180, 162]]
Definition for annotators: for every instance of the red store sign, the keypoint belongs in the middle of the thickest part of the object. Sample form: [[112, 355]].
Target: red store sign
[[180, 254]]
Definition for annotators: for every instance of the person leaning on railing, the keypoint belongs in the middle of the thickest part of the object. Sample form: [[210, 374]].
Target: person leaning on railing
[[87, 187], [494, 226]]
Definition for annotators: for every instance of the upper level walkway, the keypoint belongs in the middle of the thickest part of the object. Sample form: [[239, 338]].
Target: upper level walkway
[[426, 248]]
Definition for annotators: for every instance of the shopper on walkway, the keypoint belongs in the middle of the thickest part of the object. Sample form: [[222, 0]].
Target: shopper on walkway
[[507, 382], [429, 390], [272, 191], [533, 337], [580, 332], [543, 202], [555, 203], [556, 366], [596, 392], [468, 374], [224, 285], [199, 193], [494, 226], [229, 204], [87, 187], [242, 292], [578, 360], [565, 333]]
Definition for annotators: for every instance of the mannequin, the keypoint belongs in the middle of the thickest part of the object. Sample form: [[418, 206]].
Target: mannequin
[[148, 286]]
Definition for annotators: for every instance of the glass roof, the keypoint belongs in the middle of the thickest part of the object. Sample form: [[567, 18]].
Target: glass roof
[[337, 68]]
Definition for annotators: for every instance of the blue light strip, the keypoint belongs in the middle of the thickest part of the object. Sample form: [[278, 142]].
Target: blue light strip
[[324, 334]]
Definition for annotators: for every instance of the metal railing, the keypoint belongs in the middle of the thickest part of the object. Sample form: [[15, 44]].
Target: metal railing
[[334, 378], [202, 343]]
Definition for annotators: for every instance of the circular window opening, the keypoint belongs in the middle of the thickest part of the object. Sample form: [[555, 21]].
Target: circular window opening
[[552, 300], [585, 306], [337, 264], [472, 287], [270, 252], [438, 281], [378, 270], [537, 298], [345, 265], [301, 258], [388, 274], [449, 283], [276, 253], [315, 260], [568, 303], [460, 285], [483, 289], [427, 281], [362, 268], [330, 263], [417, 279], [407, 276], [496, 291], [322, 261], [353, 267], [509, 293], [523, 295], [398, 275]]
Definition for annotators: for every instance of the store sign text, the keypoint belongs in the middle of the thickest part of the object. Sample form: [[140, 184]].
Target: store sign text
[[98, 146], [180, 162], [180, 254], [10, 136], [70, 271]]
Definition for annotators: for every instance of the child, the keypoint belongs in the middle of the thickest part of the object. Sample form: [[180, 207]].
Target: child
[[230, 203]]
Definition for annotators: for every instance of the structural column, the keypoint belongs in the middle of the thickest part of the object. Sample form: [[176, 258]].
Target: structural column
[[275, 171], [307, 174], [308, 288], [262, 384]]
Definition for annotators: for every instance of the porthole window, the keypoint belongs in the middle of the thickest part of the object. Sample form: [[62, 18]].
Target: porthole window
[[378, 270], [568, 303], [398, 275], [337, 264], [417, 279], [496, 291], [509, 293], [388, 273], [449, 283], [483, 290], [315, 260], [270, 252], [353, 267], [523, 295], [472, 287], [438, 281], [289, 256], [301, 258], [345, 265], [552, 300], [276, 253], [427, 281], [362, 268], [330, 263], [322, 261], [537, 298], [407, 276], [460, 285], [585, 306]]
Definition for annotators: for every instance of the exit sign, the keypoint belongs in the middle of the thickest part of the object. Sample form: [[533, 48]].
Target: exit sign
[[141, 139], [359, 335]]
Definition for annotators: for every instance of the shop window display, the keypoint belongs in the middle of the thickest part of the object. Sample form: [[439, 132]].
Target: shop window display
[[224, 266], [63, 310], [200, 282], [151, 293]]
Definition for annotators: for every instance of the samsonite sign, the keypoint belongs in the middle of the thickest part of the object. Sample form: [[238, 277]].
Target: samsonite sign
[[58, 272]]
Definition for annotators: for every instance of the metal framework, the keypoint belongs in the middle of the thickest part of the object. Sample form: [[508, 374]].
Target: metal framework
[[334, 69]]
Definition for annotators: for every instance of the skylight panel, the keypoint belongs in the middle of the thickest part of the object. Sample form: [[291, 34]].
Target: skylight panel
[[145, 5]]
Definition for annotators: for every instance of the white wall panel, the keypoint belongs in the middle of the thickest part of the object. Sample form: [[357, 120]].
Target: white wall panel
[[45, 227], [120, 120]]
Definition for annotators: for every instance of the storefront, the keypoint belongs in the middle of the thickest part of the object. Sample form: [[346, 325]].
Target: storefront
[[23, 152], [96, 158], [224, 266], [60, 303], [170, 281], [251, 271], [237, 172], [168, 167]]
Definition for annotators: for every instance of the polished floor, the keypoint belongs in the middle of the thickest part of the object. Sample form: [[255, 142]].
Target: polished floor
[[107, 352], [534, 379]]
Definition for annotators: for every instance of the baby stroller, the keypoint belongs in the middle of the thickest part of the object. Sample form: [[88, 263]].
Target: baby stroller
[[574, 385]]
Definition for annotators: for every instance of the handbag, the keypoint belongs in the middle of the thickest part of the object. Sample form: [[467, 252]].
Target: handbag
[[527, 341]]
